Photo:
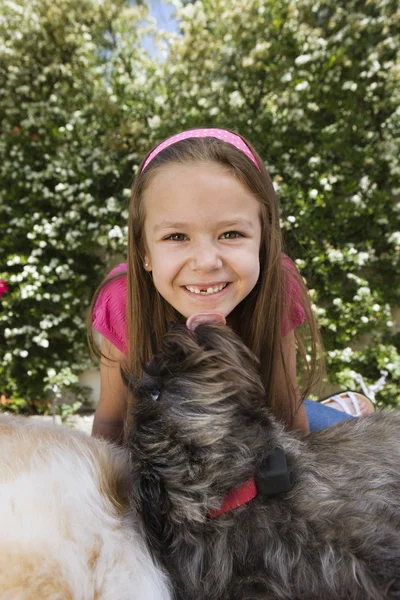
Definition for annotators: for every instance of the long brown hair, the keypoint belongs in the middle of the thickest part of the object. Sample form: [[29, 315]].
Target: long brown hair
[[260, 315]]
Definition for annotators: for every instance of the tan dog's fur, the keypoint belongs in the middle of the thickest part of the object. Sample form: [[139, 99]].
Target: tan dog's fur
[[66, 532]]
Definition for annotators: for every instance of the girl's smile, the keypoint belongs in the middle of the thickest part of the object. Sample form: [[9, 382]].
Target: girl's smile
[[202, 237], [206, 293], [206, 289]]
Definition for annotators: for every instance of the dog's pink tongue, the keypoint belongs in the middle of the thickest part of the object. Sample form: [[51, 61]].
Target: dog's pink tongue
[[205, 319]]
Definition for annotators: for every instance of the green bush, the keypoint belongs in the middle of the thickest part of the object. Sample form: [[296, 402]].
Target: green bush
[[65, 169], [313, 85]]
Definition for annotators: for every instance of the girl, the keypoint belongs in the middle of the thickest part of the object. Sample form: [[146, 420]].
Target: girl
[[204, 236]]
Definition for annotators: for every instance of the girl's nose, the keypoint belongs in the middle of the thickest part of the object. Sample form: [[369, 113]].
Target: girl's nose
[[205, 257]]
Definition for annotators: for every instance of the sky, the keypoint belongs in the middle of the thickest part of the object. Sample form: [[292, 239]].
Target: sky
[[163, 12]]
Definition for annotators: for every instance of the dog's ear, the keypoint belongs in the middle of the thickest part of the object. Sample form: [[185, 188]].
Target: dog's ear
[[154, 508], [129, 379]]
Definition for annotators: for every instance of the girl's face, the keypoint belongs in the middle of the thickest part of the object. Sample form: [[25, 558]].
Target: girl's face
[[202, 235]]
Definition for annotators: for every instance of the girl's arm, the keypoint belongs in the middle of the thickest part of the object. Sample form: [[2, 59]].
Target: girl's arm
[[111, 410], [300, 421]]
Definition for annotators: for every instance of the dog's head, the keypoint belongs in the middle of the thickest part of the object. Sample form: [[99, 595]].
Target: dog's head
[[200, 420]]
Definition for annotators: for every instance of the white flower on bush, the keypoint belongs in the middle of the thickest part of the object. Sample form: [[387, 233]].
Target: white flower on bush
[[45, 324], [365, 183], [335, 256], [187, 12], [22, 353], [356, 200], [362, 258], [248, 61], [261, 47], [28, 291], [298, 114], [286, 77], [236, 99], [301, 264], [154, 122], [324, 181], [303, 85], [15, 260], [18, 9], [112, 204], [349, 85], [63, 271], [394, 239], [364, 291], [276, 185], [41, 341], [346, 355], [115, 232], [355, 278], [303, 59]]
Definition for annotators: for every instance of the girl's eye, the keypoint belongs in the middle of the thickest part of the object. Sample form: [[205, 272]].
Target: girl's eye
[[231, 235], [177, 237]]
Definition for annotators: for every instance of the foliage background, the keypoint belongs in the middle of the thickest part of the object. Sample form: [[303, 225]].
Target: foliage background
[[313, 85]]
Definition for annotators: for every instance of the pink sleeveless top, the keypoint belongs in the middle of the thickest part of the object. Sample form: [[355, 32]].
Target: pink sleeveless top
[[109, 314]]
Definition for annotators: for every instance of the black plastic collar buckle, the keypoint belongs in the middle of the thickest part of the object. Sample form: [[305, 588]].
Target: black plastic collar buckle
[[272, 477]]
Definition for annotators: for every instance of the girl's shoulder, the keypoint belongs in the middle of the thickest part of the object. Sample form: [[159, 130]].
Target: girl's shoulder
[[291, 274], [288, 264], [121, 268], [109, 312]]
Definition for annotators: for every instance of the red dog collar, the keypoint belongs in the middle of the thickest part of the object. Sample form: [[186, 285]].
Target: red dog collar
[[271, 478], [236, 498]]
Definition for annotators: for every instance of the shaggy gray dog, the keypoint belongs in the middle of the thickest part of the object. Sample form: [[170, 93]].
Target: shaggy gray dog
[[202, 429]]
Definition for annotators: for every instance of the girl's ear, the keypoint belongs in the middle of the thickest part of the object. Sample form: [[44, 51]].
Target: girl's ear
[[144, 254], [146, 263]]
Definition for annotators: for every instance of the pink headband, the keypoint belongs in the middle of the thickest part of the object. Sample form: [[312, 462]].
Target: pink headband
[[220, 134]]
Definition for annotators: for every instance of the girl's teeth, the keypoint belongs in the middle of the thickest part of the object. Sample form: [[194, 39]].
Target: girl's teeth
[[210, 290]]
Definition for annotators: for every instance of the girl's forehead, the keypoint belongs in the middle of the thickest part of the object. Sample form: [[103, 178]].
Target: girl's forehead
[[177, 174], [196, 186]]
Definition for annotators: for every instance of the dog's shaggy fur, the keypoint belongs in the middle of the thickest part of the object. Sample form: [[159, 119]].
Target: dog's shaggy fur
[[66, 532], [202, 428]]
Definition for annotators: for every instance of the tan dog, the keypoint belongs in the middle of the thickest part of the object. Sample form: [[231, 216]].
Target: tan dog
[[66, 533]]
